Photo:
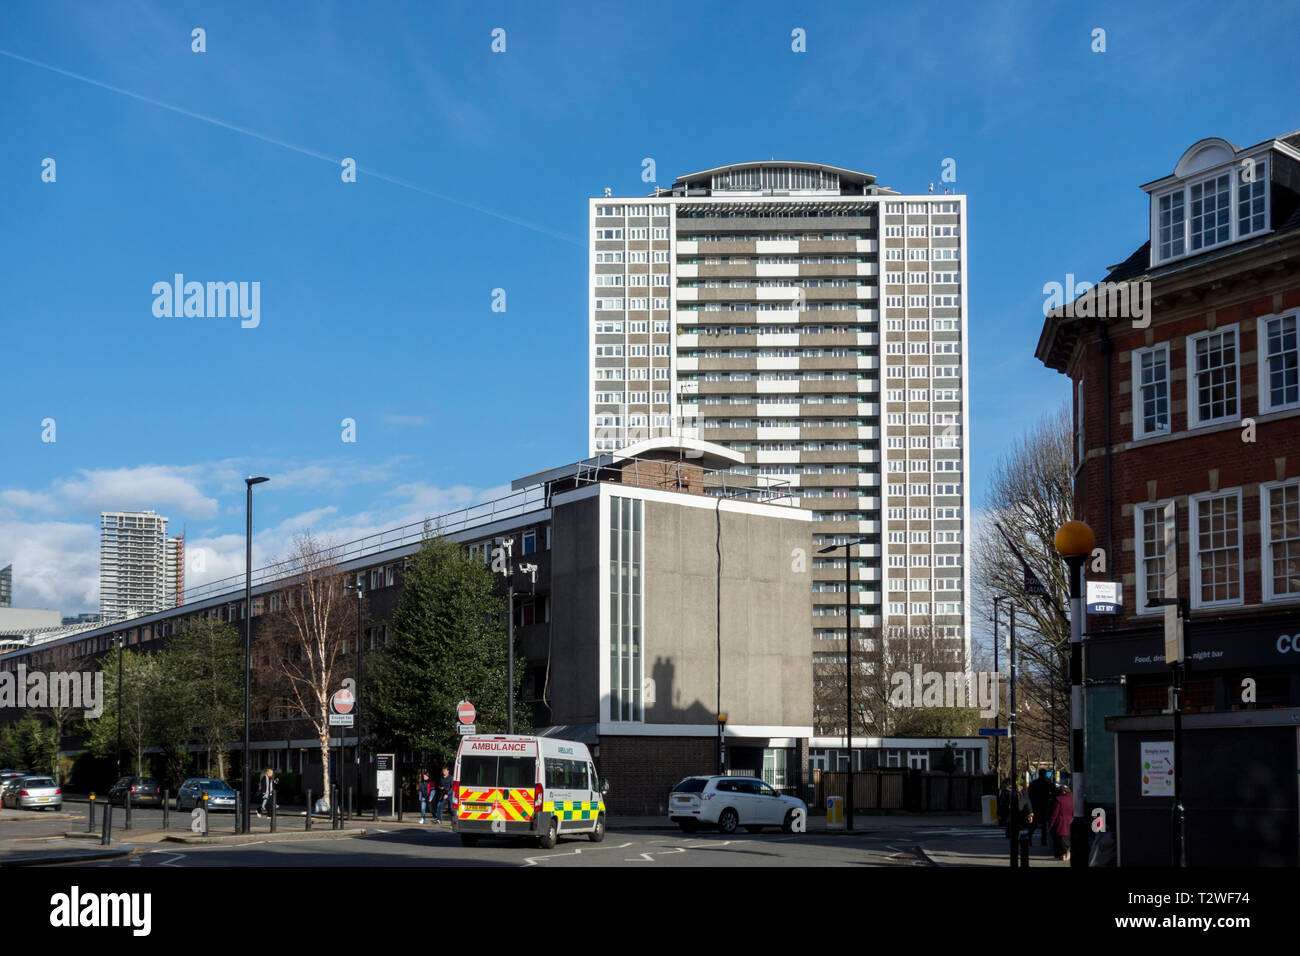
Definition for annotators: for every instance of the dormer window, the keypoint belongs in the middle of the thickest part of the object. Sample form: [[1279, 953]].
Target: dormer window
[[1204, 212]]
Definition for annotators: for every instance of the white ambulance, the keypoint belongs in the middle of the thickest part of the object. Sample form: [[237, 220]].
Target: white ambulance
[[537, 787]]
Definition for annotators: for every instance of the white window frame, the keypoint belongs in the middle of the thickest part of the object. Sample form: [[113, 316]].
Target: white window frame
[[1139, 568], [1266, 542], [1194, 419], [1261, 348], [1139, 407], [1234, 171], [1193, 556]]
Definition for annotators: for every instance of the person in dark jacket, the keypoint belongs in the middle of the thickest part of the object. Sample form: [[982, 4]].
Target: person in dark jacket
[[443, 791], [1004, 802], [425, 791], [1020, 815], [1059, 822], [1040, 797]]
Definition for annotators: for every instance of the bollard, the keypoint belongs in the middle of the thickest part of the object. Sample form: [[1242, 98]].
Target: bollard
[[205, 814], [166, 807], [106, 836], [1025, 840], [1015, 857], [399, 804], [349, 816], [273, 805], [336, 809], [309, 809], [126, 803], [90, 813], [238, 817]]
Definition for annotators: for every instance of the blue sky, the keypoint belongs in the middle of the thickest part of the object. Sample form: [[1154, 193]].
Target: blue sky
[[475, 168]]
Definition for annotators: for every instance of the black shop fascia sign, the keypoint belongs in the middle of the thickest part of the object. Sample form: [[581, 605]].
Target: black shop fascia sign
[[1211, 644]]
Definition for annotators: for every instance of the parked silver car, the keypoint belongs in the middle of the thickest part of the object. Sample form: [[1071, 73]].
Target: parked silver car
[[33, 793]]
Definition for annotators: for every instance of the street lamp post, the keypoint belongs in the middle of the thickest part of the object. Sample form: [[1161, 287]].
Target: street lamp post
[[120, 642], [848, 671], [1074, 543], [359, 587], [507, 568], [248, 636]]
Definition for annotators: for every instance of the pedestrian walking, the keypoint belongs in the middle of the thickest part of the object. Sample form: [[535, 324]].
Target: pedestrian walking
[[1040, 798], [425, 791], [1020, 822], [266, 787], [1004, 802], [1059, 822], [444, 795]]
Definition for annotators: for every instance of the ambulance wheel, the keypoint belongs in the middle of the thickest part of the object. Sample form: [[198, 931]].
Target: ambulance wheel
[[469, 839], [598, 834], [728, 821], [552, 832]]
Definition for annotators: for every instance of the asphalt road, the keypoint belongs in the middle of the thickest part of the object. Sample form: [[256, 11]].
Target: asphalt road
[[407, 846]]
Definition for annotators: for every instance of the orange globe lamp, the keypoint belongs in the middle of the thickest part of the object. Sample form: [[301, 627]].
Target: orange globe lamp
[[1075, 540]]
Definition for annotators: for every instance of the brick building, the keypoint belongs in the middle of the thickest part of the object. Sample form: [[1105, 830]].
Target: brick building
[[1184, 367]]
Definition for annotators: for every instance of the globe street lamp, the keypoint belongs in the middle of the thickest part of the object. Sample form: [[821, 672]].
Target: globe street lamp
[[1074, 543]]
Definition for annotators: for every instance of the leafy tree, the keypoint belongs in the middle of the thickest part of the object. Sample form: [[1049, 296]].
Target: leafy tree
[[28, 744], [204, 664], [449, 644], [142, 697]]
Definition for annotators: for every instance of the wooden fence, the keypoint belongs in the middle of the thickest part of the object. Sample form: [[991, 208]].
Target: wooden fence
[[911, 790]]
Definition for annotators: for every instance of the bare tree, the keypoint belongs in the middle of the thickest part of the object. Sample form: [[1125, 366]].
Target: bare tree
[[878, 657], [1030, 496], [308, 637]]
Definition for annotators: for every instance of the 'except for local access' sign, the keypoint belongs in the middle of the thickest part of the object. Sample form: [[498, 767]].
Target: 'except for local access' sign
[[465, 729], [342, 720], [465, 712]]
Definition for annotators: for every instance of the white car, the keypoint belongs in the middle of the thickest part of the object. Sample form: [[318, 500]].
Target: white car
[[731, 802]]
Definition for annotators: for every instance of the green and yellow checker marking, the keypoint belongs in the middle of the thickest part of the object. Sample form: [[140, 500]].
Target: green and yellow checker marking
[[575, 809]]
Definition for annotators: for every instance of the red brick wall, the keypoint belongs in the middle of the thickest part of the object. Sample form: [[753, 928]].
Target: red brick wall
[[642, 770], [1182, 465]]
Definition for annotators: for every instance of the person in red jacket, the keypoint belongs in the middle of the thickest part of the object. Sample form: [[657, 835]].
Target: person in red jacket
[[1058, 822]]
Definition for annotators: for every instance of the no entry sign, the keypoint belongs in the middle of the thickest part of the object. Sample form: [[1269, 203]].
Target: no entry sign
[[342, 702], [465, 712]]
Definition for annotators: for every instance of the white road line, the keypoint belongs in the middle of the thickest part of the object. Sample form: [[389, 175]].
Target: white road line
[[169, 862], [534, 860]]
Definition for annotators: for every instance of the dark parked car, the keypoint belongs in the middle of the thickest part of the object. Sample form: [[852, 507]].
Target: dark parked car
[[144, 792], [221, 795]]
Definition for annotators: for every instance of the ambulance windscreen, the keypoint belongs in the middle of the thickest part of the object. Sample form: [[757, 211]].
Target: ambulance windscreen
[[498, 772]]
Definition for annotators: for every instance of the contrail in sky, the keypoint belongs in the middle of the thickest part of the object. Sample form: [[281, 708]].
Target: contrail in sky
[[335, 160]]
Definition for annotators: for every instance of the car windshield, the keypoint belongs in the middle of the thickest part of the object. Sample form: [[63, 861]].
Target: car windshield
[[691, 785], [37, 783], [214, 785]]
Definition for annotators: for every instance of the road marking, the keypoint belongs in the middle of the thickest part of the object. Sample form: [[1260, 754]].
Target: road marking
[[534, 860]]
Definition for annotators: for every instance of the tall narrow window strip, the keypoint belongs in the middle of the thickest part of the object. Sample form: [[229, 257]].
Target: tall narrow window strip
[[1282, 562], [1153, 555], [626, 638], [1154, 387], [1281, 362]]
